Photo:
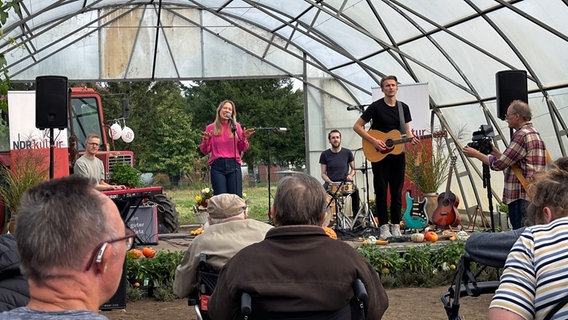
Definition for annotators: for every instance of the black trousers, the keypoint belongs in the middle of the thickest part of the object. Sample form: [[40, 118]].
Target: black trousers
[[388, 175]]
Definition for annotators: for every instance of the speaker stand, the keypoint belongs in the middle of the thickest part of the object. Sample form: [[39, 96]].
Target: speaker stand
[[51, 153]]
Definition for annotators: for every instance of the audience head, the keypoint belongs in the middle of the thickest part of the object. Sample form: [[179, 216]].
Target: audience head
[[550, 194], [299, 200], [226, 206], [65, 228]]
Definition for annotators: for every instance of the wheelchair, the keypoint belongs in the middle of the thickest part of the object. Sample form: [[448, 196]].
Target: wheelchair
[[207, 276], [354, 310]]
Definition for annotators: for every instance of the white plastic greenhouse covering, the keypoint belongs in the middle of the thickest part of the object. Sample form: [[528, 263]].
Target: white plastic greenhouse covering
[[338, 49]]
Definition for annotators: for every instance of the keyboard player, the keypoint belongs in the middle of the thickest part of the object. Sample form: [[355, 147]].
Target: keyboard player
[[88, 165]]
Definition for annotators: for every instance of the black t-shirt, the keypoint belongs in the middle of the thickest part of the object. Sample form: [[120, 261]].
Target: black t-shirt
[[337, 164], [385, 118]]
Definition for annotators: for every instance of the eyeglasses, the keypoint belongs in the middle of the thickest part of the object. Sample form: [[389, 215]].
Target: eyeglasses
[[508, 115], [128, 239]]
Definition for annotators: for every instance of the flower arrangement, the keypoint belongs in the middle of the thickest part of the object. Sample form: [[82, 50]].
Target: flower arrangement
[[202, 199], [431, 163]]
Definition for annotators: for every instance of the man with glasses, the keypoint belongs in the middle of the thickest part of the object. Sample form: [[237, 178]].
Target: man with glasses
[[88, 165], [72, 243], [526, 151]]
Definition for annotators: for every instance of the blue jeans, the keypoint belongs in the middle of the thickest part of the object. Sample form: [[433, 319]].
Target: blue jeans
[[517, 212], [226, 177]]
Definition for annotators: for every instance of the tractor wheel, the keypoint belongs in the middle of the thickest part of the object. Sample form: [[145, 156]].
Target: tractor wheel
[[168, 217]]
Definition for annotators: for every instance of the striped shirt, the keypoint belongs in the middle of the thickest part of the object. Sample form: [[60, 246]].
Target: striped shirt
[[535, 277], [528, 152]]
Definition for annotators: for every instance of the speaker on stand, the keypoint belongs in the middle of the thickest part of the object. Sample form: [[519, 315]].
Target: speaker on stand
[[511, 85], [51, 108]]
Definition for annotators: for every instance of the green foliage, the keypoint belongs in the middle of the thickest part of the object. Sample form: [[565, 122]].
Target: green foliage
[[387, 258], [160, 270], [123, 173], [418, 258], [449, 254]]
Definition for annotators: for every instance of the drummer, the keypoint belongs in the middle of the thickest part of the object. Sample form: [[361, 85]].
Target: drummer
[[338, 165]]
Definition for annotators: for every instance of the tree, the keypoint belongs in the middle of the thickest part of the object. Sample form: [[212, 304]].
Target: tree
[[260, 103]]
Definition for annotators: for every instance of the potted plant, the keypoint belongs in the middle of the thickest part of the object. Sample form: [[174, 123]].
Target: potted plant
[[28, 169], [200, 207], [430, 172]]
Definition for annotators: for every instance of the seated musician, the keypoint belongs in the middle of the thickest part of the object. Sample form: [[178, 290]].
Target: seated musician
[[228, 232], [88, 165], [338, 165]]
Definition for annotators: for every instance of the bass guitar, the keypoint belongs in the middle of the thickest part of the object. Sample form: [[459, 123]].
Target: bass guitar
[[415, 216], [394, 141], [446, 214]]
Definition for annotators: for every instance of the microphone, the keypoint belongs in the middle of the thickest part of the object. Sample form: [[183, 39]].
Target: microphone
[[228, 115], [351, 108], [280, 129]]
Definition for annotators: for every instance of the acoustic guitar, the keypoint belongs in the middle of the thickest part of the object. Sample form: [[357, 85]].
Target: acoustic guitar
[[415, 216], [446, 214], [394, 141]]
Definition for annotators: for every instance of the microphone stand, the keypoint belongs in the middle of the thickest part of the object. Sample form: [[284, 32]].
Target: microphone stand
[[235, 134]]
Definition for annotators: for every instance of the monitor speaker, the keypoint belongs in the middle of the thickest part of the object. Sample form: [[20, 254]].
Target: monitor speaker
[[511, 85], [51, 102]]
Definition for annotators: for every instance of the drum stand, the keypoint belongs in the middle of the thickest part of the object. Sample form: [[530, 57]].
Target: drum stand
[[364, 217], [342, 222]]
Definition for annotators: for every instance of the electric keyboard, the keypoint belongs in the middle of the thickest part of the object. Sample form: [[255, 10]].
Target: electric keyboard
[[133, 192]]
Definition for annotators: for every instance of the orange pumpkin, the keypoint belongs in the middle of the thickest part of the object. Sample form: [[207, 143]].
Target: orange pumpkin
[[330, 232], [134, 253], [431, 236], [148, 252]]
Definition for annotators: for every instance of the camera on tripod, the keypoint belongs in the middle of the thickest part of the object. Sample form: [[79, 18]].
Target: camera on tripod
[[481, 140]]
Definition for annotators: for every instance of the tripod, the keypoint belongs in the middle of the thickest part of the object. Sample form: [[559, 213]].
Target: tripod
[[487, 185], [364, 217]]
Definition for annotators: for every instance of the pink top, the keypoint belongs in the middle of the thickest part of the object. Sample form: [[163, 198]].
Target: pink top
[[223, 145]]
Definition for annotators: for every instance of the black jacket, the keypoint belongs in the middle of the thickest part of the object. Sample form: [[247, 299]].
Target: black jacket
[[13, 286]]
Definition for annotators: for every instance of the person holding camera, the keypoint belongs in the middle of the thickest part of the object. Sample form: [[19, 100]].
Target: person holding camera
[[526, 154]]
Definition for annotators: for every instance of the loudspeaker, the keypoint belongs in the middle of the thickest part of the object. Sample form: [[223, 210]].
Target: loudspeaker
[[118, 300], [511, 85], [51, 102]]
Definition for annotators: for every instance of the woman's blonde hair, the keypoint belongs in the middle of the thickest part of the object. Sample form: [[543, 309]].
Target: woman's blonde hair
[[218, 128], [549, 189]]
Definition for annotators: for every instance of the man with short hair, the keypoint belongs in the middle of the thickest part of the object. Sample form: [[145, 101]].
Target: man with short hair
[[72, 243], [228, 232], [338, 165], [526, 151], [297, 267], [88, 165]]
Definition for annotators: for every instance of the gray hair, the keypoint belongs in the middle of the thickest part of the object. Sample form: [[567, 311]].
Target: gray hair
[[299, 200], [522, 109], [59, 224]]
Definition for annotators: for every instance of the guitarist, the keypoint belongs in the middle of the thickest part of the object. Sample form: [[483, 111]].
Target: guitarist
[[388, 173], [338, 165]]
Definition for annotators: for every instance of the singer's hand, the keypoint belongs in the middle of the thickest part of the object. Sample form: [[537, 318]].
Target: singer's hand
[[248, 132], [206, 135]]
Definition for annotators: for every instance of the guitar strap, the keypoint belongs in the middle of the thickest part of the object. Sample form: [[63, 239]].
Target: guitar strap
[[519, 175], [401, 118]]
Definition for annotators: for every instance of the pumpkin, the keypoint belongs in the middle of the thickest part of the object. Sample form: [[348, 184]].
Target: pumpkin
[[148, 252], [330, 232], [417, 237], [431, 236], [134, 253]]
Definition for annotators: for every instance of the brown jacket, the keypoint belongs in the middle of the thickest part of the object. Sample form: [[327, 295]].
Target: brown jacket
[[296, 268]]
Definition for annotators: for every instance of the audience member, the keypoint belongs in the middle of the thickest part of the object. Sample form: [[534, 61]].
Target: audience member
[[13, 286], [297, 267], [534, 278], [72, 244], [228, 232]]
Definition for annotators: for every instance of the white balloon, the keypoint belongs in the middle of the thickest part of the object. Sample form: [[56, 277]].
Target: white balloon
[[127, 134], [115, 131]]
